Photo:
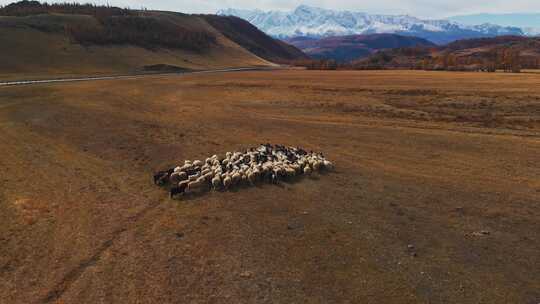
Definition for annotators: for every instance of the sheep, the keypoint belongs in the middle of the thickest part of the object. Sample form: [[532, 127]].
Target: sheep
[[180, 189], [265, 162], [252, 177], [174, 191], [216, 182], [236, 155], [317, 165], [208, 176], [160, 178], [297, 169], [194, 177], [175, 177], [290, 172], [218, 170], [279, 171], [236, 177], [227, 182], [328, 165], [256, 172], [198, 184]]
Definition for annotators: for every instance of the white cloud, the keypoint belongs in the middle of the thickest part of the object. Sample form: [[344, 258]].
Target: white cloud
[[420, 8]]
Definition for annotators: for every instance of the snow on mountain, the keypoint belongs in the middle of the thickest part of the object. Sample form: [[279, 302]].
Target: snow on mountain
[[318, 22], [532, 31]]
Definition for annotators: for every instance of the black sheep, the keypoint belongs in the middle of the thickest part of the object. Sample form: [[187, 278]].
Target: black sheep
[[161, 177], [180, 189]]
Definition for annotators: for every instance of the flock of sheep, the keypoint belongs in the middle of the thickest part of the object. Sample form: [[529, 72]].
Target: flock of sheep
[[264, 163]]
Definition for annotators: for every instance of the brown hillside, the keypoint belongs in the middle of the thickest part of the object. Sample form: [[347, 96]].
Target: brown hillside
[[254, 40], [506, 52], [46, 41]]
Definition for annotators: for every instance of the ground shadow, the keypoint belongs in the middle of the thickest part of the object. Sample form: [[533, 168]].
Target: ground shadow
[[260, 184]]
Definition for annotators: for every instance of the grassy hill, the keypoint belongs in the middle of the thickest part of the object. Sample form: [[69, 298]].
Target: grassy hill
[[62, 40], [252, 39], [504, 52]]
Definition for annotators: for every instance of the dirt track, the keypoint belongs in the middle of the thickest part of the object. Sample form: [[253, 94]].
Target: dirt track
[[127, 76], [445, 162]]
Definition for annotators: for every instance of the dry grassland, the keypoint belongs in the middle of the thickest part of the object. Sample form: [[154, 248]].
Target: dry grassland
[[435, 198]]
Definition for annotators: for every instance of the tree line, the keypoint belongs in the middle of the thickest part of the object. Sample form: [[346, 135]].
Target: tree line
[[117, 26], [508, 59], [28, 8]]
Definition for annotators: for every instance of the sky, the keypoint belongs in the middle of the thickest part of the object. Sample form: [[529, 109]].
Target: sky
[[418, 8]]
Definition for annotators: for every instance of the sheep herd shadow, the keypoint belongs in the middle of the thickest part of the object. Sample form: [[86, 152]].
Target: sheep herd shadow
[[281, 184]]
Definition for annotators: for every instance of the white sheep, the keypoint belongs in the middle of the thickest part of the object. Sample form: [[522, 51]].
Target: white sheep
[[328, 165], [194, 177], [236, 176], [198, 184], [216, 182]]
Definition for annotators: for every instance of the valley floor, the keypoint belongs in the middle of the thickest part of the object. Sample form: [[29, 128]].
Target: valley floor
[[435, 198]]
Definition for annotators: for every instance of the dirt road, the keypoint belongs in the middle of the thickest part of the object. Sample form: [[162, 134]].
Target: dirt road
[[435, 197], [132, 76]]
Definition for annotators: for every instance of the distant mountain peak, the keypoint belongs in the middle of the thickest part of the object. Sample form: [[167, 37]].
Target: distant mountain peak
[[312, 21]]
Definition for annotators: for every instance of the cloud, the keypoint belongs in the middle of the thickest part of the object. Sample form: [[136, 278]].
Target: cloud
[[420, 8]]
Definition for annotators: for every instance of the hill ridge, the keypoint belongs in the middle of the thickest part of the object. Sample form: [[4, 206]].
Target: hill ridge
[[64, 40]]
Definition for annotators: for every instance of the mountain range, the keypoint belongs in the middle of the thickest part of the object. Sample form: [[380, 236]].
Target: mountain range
[[529, 22], [347, 48], [307, 21]]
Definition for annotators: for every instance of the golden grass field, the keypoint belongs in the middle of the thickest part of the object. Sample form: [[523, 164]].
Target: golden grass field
[[445, 162]]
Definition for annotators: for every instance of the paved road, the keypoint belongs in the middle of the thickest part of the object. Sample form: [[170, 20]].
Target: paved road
[[28, 82]]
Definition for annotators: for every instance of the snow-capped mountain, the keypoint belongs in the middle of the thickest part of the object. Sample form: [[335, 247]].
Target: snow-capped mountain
[[318, 22], [532, 31]]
